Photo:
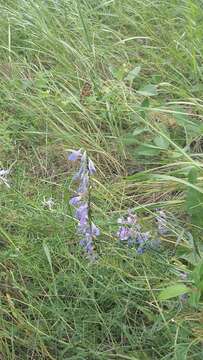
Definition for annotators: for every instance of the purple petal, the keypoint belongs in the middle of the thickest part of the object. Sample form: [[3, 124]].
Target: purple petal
[[75, 200], [83, 221], [82, 211], [184, 297], [140, 250], [142, 237], [83, 242], [83, 188], [89, 247], [123, 233], [79, 174], [75, 155], [95, 231], [83, 228], [91, 167]]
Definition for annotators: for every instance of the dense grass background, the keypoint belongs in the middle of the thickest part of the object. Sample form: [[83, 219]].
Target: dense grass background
[[141, 122]]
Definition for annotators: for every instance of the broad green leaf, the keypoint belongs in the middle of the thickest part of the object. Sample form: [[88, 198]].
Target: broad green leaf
[[194, 200], [161, 142], [197, 274], [148, 150], [173, 291], [194, 297], [133, 73], [184, 120], [148, 90]]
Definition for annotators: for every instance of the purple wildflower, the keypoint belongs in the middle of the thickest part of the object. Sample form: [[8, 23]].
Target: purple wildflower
[[82, 214], [75, 200], [123, 233], [75, 155], [130, 230], [86, 228], [91, 167], [89, 247], [184, 297], [142, 237]]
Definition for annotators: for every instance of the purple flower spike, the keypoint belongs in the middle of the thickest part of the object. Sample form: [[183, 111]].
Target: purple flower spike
[[91, 167], [124, 233], [86, 228], [75, 155], [75, 200]]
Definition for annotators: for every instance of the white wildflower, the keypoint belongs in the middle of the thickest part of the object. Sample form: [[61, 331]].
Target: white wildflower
[[3, 176], [49, 203]]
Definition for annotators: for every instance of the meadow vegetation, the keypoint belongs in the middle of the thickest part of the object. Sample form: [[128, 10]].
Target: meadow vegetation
[[123, 81]]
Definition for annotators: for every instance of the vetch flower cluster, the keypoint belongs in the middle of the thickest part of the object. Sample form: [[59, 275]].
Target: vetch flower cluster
[[130, 232], [87, 230]]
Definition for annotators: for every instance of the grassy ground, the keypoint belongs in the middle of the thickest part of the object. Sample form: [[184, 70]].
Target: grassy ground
[[123, 80]]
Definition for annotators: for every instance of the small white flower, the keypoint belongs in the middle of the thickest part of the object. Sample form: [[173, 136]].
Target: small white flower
[[3, 176], [49, 203]]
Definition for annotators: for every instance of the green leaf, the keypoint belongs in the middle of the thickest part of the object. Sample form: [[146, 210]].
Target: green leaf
[[145, 103], [197, 274], [133, 73], [194, 200], [173, 291], [148, 90], [181, 351], [194, 297], [139, 131], [148, 150], [161, 142], [192, 176]]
